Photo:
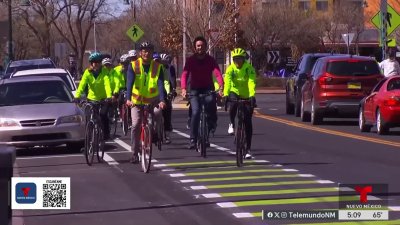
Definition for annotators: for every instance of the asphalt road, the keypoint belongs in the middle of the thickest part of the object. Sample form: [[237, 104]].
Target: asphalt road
[[296, 166]]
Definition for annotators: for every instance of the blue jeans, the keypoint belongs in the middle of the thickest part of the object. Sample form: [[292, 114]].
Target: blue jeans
[[210, 108]]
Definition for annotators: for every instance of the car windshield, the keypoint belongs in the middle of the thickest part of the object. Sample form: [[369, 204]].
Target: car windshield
[[37, 92], [16, 68], [63, 76], [353, 68]]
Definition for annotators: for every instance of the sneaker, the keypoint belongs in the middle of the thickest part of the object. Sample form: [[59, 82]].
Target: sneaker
[[248, 155], [167, 139], [231, 131], [188, 124], [192, 144]]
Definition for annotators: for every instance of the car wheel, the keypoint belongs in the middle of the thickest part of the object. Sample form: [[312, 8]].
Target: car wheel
[[381, 126], [316, 117], [289, 106], [305, 116], [297, 106], [75, 146], [361, 122]]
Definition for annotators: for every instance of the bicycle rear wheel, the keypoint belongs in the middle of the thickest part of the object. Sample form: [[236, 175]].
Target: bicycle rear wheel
[[89, 143], [101, 144], [125, 120], [203, 135], [240, 139], [146, 149]]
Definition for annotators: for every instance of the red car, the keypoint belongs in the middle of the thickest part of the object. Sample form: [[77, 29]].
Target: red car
[[381, 107]]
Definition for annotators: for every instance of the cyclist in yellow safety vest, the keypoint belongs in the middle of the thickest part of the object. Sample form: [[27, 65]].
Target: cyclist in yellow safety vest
[[240, 82], [99, 88], [145, 85]]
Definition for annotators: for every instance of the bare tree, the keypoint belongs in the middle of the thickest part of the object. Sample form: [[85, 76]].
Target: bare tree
[[39, 17], [76, 22]]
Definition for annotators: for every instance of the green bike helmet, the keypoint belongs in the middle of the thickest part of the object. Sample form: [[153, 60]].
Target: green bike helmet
[[238, 52], [95, 57]]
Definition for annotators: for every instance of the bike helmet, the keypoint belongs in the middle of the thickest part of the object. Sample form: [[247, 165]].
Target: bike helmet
[[238, 52], [132, 53], [95, 57], [156, 55], [146, 45], [165, 57], [106, 61], [124, 58]]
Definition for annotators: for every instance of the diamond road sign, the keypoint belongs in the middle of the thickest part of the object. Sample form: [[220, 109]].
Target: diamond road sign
[[393, 20], [135, 33]]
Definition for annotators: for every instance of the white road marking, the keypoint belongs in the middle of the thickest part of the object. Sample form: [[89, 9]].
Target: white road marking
[[243, 215], [394, 208], [123, 144], [187, 181], [227, 205], [290, 170], [160, 165], [198, 187], [212, 195], [50, 156], [168, 170], [177, 175], [306, 175], [109, 159], [325, 182]]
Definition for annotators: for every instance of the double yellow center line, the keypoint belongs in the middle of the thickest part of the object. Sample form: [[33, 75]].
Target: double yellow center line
[[326, 131]]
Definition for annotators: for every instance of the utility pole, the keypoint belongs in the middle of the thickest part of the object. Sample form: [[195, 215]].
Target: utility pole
[[384, 27], [184, 32], [10, 38]]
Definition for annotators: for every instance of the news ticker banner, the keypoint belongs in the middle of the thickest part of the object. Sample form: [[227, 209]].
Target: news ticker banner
[[356, 202], [40, 193]]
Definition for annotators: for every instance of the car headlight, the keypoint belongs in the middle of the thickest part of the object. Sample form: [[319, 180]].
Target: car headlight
[[8, 123], [70, 119]]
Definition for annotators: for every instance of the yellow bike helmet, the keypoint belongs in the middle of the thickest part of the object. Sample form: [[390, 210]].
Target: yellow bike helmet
[[238, 52]]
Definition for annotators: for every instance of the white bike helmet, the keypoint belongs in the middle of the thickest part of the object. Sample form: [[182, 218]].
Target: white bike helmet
[[106, 61], [124, 58], [132, 53], [165, 57]]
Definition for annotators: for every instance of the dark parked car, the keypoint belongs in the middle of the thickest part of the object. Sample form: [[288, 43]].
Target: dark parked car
[[336, 86], [296, 80], [29, 64]]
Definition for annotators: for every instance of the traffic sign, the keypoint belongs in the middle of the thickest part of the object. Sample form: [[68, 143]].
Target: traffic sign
[[348, 38], [391, 42], [273, 56], [135, 33], [392, 17]]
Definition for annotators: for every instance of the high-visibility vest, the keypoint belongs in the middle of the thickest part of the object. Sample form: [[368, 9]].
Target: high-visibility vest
[[145, 89]]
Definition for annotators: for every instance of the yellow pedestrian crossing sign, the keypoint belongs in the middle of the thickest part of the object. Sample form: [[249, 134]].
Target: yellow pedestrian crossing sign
[[391, 42], [392, 17], [135, 33]]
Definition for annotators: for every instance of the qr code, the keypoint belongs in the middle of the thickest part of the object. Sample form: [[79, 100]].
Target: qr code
[[54, 195]]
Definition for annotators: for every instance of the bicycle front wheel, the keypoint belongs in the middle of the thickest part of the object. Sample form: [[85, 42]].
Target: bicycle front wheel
[[240, 143], [146, 149], [115, 122], [203, 134], [90, 143]]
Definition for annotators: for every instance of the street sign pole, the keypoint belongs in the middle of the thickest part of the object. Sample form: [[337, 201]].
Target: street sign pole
[[383, 27]]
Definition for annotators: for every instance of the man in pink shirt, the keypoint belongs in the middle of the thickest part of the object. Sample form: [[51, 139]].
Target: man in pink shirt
[[201, 67]]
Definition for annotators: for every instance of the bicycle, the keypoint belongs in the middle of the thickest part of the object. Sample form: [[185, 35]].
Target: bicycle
[[146, 130], [240, 132], [203, 126], [125, 115], [114, 117], [94, 137], [160, 133]]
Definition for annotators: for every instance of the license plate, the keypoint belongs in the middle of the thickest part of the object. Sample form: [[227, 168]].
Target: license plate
[[351, 85]]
